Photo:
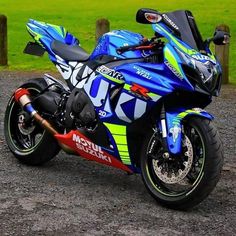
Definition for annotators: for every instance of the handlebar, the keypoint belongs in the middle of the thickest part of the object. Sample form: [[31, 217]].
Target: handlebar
[[144, 45], [123, 49]]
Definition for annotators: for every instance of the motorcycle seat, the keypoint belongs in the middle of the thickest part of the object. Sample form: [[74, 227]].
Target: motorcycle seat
[[69, 52]]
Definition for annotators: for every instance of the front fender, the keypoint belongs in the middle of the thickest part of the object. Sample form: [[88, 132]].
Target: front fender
[[173, 127]]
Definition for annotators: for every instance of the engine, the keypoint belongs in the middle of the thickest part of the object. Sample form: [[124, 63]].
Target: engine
[[67, 109]]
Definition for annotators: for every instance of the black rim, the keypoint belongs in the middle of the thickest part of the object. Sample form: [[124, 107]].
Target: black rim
[[191, 180], [24, 133]]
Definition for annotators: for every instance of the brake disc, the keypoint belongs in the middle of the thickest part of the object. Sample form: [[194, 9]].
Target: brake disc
[[24, 129], [170, 176]]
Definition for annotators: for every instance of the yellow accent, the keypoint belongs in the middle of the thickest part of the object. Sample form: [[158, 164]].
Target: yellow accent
[[124, 153], [59, 29], [116, 129], [111, 78], [119, 134], [122, 148], [171, 59], [120, 139], [127, 86], [177, 43]]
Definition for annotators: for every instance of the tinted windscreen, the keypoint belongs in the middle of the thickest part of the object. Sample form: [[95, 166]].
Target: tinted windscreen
[[188, 28]]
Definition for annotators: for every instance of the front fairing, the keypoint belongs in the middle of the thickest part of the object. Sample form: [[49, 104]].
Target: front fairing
[[200, 71]]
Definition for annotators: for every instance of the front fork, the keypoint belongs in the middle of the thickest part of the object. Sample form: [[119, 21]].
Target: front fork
[[171, 126]]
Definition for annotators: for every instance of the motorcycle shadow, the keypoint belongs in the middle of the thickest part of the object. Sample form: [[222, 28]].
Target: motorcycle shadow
[[99, 179], [72, 170]]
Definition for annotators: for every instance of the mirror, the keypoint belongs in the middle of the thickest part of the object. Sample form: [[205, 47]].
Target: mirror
[[221, 37], [148, 16]]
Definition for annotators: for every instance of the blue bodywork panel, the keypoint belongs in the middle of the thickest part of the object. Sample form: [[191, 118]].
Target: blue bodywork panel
[[174, 123], [109, 42]]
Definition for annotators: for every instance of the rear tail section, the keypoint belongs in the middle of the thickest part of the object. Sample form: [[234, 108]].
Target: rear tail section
[[44, 33]]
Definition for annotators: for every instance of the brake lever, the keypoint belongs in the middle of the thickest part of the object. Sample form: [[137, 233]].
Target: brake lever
[[123, 49]]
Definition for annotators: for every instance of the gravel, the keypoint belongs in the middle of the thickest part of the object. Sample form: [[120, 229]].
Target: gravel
[[73, 196]]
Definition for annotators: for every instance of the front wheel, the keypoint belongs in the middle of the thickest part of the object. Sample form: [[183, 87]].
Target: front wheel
[[183, 181]]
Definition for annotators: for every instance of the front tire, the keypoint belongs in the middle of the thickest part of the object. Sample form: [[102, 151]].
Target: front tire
[[26, 139], [202, 176]]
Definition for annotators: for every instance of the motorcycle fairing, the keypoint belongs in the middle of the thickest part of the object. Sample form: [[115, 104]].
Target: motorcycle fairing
[[144, 84], [163, 30], [118, 137], [91, 151], [174, 119]]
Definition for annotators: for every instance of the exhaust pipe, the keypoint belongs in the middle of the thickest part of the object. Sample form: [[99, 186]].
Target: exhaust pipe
[[21, 96]]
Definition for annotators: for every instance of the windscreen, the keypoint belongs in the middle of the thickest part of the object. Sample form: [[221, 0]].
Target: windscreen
[[188, 28]]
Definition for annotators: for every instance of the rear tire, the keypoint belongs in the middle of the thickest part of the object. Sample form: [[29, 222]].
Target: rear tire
[[30, 143], [201, 178]]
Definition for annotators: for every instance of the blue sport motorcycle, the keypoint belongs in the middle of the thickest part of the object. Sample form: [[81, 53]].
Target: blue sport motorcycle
[[134, 103]]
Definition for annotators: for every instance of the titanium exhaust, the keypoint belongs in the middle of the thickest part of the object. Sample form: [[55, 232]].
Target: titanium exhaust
[[21, 96]]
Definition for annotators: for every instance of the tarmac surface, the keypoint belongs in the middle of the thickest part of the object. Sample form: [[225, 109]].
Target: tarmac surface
[[73, 196]]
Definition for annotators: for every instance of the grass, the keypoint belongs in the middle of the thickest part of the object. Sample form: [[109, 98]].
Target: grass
[[79, 18]]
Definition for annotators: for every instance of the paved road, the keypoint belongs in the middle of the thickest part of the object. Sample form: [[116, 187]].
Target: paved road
[[76, 197]]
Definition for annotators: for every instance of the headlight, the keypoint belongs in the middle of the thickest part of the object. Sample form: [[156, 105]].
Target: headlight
[[205, 73]]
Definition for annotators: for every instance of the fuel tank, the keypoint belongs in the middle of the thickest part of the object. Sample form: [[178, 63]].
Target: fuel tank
[[109, 42]]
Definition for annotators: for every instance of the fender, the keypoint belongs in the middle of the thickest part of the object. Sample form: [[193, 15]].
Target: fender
[[173, 126]]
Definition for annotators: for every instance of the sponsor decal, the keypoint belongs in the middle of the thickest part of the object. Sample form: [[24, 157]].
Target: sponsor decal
[[170, 21], [143, 73], [201, 57], [173, 70], [102, 113], [136, 88], [175, 132], [90, 148], [71, 70], [122, 111], [63, 68], [110, 72]]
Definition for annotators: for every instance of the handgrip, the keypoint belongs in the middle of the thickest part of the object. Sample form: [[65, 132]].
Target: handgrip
[[123, 49]]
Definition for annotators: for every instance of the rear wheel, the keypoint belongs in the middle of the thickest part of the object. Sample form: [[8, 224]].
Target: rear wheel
[[183, 181], [26, 139]]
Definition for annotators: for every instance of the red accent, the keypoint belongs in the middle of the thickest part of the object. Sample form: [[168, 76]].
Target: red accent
[[144, 47], [140, 90], [19, 93], [89, 152]]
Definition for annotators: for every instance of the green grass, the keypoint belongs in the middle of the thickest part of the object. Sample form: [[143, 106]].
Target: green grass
[[79, 18]]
